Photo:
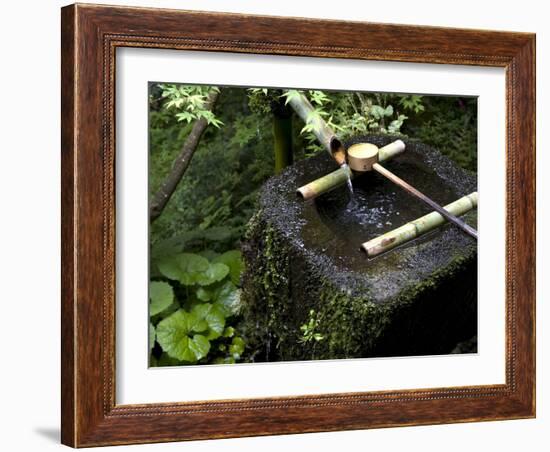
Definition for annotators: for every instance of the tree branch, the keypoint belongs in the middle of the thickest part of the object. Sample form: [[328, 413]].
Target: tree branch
[[181, 163]]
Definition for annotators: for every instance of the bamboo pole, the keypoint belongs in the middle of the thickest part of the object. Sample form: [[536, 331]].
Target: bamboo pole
[[418, 227], [326, 183], [303, 108], [418, 194], [340, 176]]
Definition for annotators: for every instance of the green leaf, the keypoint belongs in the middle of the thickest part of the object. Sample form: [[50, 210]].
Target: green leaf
[[184, 267], [229, 332], [214, 318], [377, 111], [185, 116], [199, 345], [228, 298], [152, 335], [237, 347], [170, 268], [192, 263], [291, 94], [192, 266], [174, 335], [196, 323], [233, 259], [203, 294], [161, 296], [214, 273], [216, 322]]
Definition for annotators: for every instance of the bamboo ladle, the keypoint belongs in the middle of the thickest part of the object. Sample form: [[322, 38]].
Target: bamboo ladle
[[339, 177], [363, 157]]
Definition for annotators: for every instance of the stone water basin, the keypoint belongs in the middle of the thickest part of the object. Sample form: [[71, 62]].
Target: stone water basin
[[304, 265]]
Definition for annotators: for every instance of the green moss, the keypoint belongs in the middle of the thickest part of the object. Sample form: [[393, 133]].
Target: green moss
[[281, 288], [265, 287]]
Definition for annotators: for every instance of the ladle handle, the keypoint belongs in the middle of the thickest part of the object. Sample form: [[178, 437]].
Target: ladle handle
[[413, 191]]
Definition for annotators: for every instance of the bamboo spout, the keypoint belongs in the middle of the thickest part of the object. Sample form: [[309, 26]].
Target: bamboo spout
[[326, 183], [418, 227]]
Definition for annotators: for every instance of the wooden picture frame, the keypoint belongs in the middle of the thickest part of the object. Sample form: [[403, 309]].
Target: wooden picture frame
[[90, 36]]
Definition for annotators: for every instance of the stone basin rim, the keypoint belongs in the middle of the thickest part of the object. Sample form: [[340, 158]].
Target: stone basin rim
[[290, 215]]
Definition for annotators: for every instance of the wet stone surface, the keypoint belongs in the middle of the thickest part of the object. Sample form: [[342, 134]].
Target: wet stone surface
[[377, 205], [431, 279]]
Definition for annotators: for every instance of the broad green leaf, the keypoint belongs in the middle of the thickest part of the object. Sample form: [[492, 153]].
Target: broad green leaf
[[170, 268], [184, 267], [173, 334], [168, 311], [228, 298], [214, 318], [192, 266], [196, 323], [199, 345], [214, 273], [161, 296], [216, 322], [187, 353], [233, 259], [200, 311], [152, 335], [192, 263]]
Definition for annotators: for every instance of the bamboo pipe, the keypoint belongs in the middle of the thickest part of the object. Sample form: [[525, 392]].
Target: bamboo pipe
[[340, 176], [303, 108], [418, 227], [418, 194]]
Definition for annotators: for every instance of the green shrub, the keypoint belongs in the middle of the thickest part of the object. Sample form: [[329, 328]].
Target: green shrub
[[192, 306]]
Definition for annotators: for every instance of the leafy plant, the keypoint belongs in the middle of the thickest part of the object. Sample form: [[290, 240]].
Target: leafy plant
[[450, 125], [412, 103], [189, 102], [351, 114], [309, 328], [191, 307], [235, 160]]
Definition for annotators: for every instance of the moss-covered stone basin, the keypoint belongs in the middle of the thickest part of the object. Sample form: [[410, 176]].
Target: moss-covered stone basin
[[310, 293]]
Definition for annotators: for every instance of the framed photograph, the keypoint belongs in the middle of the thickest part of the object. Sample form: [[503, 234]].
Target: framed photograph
[[281, 225]]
